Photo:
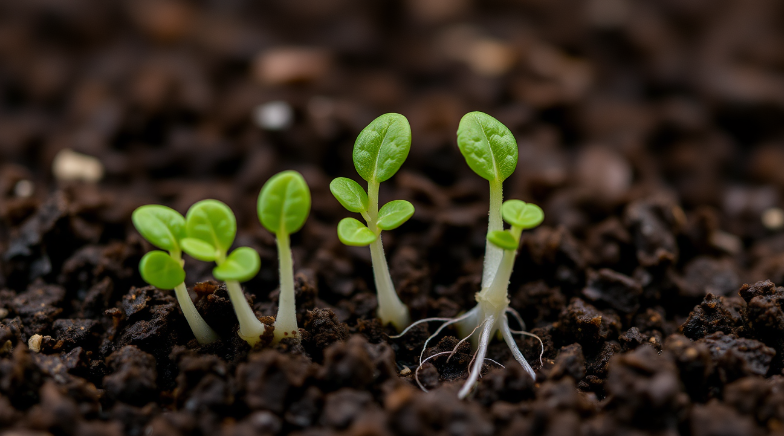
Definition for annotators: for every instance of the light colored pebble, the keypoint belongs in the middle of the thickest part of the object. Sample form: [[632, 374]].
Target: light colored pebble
[[24, 189], [274, 115], [3, 312], [70, 165], [285, 65], [34, 343], [773, 218], [726, 241]]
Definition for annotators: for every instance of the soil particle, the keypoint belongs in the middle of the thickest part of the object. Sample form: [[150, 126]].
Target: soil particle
[[583, 323], [653, 223], [570, 362], [613, 290], [538, 302], [714, 314], [133, 376], [37, 308], [320, 329], [738, 357], [511, 384], [270, 380], [764, 316], [20, 378], [343, 406], [201, 383], [714, 419], [694, 363], [72, 333]]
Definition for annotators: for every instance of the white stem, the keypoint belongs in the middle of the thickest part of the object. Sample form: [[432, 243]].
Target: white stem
[[286, 320], [497, 292], [390, 309], [203, 332], [493, 254], [509, 339], [251, 328], [479, 358]]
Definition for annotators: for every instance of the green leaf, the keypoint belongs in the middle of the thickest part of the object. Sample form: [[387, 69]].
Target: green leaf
[[161, 270], [284, 203], [213, 222], [521, 214], [161, 225], [241, 265], [488, 146], [348, 192], [199, 249], [394, 213], [352, 232], [503, 239], [382, 147]]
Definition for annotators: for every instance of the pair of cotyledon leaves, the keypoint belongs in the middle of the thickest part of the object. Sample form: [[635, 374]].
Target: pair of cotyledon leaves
[[518, 214], [380, 150], [208, 230]]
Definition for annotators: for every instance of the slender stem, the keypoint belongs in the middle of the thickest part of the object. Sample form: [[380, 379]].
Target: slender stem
[[286, 321], [493, 254], [390, 308], [250, 327], [203, 332], [497, 292]]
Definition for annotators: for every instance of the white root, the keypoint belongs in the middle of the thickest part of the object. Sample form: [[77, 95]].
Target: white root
[[509, 339], [481, 352]]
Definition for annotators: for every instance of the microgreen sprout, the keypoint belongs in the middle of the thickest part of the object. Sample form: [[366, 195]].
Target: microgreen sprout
[[210, 228], [164, 228], [283, 207], [491, 151], [380, 150]]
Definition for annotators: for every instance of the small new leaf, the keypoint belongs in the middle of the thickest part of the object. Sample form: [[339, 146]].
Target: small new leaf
[[161, 225], [488, 146], [393, 214], [503, 239], [382, 147], [521, 214], [161, 270], [354, 233], [199, 249], [284, 203], [348, 192], [213, 222], [241, 265]]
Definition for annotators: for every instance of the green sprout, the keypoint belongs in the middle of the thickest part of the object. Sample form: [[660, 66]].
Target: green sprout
[[284, 205], [380, 150], [164, 228], [210, 228], [491, 151]]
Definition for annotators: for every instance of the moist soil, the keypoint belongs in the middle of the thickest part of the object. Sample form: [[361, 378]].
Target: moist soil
[[649, 132]]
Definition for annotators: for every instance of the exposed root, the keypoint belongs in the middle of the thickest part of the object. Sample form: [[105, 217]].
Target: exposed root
[[481, 352], [416, 372], [454, 350]]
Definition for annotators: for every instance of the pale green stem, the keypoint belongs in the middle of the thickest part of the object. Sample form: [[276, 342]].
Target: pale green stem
[[203, 332], [286, 321], [250, 327], [497, 292], [390, 308], [493, 254]]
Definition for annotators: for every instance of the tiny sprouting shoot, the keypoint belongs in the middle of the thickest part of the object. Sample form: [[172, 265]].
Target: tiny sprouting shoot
[[380, 150], [283, 207], [164, 228], [210, 228], [491, 151]]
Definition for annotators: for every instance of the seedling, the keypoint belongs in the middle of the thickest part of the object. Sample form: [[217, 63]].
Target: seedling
[[380, 150], [491, 151], [164, 228], [284, 205], [210, 228]]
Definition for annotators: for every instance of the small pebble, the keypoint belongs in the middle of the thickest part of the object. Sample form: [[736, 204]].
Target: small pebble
[[275, 115], [728, 242], [34, 343], [24, 189], [288, 65], [773, 218], [406, 371], [70, 165], [3, 312]]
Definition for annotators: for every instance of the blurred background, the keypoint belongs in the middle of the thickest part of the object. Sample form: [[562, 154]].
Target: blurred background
[[171, 101]]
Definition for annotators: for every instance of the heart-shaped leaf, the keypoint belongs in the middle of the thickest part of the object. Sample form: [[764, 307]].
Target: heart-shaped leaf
[[521, 214], [161, 225], [488, 146], [348, 192], [382, 147], [393, 214], [354, 233], [284, 203], [161, 270], [241, 265], [503, 239], [213, 222], [199, 249]]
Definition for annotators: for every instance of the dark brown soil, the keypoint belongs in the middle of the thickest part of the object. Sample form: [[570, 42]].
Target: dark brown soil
[[650, 132]]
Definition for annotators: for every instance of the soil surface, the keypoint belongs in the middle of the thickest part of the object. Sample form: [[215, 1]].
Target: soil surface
[[649, 132]]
